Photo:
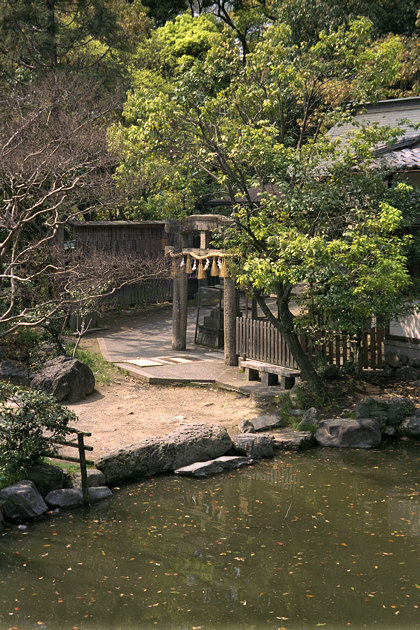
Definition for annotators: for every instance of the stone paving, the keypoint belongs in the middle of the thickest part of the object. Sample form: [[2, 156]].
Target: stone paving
[[145, 351]]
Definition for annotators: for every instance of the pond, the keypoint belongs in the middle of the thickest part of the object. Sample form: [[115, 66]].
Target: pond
[[323, 539]]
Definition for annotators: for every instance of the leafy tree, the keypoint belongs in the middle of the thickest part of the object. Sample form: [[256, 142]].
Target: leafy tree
[[153, 183], [325, 216]]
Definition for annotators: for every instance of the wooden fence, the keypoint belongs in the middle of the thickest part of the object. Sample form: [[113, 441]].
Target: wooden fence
[[259, 340], [152, 292]]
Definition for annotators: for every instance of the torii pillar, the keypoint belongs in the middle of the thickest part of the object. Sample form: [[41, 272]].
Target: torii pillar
[[179, 310]]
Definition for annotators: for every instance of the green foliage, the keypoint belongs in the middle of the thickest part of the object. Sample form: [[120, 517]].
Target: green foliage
[[303, 397], [32, 346], [29, 422], [40, 34], [156, 183], [102, 369]]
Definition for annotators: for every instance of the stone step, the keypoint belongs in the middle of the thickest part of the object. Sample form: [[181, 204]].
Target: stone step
[[261, 423], [290, 440], [214, 466]]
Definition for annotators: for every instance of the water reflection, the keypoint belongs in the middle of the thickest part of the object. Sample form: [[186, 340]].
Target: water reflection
[[324, 537]]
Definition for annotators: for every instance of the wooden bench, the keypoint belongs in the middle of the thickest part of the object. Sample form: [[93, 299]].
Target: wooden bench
[[269, 373]]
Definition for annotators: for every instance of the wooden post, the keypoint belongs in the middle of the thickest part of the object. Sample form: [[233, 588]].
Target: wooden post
[[230, 311], [83, 472], [179, 311]]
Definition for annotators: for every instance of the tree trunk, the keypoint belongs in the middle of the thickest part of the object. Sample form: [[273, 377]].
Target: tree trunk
[[284, 324], [230, 311], [51, 34], [358, 355]]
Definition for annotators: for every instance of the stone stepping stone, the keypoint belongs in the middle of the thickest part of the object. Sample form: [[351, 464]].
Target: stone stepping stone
[[213, 466], [261, 423], [291, 440]]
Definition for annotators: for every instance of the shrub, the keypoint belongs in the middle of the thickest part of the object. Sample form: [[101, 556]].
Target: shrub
[[29, 423], [303, 396]]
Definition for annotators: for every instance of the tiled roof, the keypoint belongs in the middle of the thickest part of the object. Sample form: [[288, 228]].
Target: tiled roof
[[406, 159], [405, 154]]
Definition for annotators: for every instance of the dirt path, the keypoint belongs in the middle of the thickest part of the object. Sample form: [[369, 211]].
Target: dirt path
[[129, 410]]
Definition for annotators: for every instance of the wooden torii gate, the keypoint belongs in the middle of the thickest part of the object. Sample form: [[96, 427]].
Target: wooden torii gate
[[189, 261]]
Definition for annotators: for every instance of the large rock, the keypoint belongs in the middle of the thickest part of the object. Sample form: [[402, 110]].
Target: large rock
[[70, 498], [407, 373], [411, 427], [22, 502], [328, 371], [46, 477], [66, 379], [349, 433], [254, 446], [188, 444], [95, 478], [2, 526], [290, 440], [386, 411]]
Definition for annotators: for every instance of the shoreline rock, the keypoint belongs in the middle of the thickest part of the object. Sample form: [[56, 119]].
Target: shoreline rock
[[349, 433], [187, 445]]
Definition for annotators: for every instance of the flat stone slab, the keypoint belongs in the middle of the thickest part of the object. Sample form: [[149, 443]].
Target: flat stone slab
[[200, 469], [214, 466], [229, 462], [266, 422], [291, 440]]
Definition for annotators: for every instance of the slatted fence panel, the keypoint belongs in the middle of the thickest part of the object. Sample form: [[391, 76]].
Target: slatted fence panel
[[260, 340]]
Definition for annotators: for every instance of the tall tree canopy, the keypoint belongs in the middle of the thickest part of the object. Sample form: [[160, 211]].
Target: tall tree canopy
[[40, 35], [324, 217]]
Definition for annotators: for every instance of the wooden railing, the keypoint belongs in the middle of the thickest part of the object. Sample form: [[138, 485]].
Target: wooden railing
[[258, 339], [78, 460]]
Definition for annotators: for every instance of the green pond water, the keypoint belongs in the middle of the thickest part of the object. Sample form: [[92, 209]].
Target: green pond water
[[322, 539]]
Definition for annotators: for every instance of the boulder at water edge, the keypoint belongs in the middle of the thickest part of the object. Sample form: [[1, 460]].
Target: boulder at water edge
[[66, 379], [189, 444], [349, 433], [22, 501], [70, 498], [386, 411], [411, 427], [255, 446], [47, 477]]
